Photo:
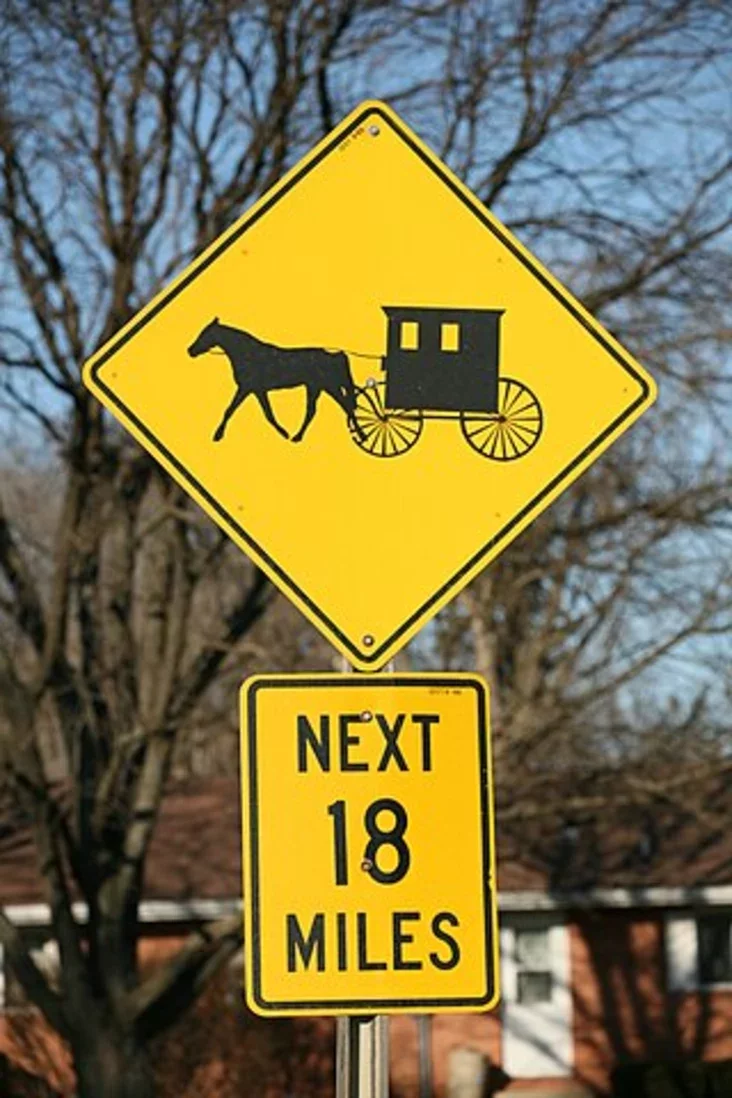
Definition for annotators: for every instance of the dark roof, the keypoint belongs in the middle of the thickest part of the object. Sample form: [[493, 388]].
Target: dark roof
[[196, 850], [439, 312]]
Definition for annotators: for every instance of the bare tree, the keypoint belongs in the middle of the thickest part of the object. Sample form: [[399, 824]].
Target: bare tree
[[131, 133], [601, 132]]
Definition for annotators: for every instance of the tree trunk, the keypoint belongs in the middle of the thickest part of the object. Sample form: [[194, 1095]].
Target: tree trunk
[[112, 1064]]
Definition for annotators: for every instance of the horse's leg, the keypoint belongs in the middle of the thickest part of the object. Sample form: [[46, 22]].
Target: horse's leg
[[263, 399], [347, 402], [238, 397], [313, 395]]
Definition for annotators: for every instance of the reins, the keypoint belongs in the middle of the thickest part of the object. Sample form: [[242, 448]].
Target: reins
[[346, 351], [329, 350]]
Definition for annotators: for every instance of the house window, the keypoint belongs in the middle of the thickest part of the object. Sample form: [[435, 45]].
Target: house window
[[409, 335], [533, 966], [714, 937], [44, 951], [536, 1034], [699, 949], [450, 337]]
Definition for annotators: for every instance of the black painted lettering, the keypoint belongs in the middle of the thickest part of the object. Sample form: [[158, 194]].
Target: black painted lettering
[[342, 941], [391, 735], [426, 720], [401, 939], [308, 737], [364, 964], [298, 943], [346, 742], [443, 936]]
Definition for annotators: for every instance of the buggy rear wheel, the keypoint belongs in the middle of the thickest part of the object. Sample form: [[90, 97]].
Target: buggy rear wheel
[[511, 431], [381, 431]]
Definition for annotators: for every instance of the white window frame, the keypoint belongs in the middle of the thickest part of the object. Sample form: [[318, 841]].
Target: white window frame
[[561, 1005], [512, 966]]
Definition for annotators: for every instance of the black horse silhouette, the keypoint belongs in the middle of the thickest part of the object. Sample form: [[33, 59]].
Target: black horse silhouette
[[260, 367]]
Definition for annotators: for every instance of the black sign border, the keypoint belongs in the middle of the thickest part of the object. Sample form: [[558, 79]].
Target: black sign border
[[253, 947], [377, 656]]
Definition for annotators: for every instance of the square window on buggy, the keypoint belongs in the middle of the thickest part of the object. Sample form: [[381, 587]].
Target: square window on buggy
[[450, 337], [409, 335]]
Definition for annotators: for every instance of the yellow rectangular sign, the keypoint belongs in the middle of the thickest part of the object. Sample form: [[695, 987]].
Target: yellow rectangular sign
[[369, 878]]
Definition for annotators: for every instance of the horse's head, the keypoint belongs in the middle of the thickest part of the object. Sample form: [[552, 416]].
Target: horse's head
[[206, 340]]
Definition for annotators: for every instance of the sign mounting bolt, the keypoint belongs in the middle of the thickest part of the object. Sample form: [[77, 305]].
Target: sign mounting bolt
[[374, 131], [367, 865], [368, 641], [367, 715]]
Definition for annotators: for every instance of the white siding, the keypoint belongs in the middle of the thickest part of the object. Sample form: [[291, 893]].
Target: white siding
[[537, 1038], [681, 952]]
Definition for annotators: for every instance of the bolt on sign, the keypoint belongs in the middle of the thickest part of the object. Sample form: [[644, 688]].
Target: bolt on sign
[[370, 384], [369, 880]]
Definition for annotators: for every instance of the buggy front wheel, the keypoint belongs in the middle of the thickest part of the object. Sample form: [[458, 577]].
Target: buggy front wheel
[[512, 430], [381, 431]]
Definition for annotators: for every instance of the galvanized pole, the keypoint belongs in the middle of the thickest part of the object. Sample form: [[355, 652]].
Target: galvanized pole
[[362, 1044], [424, 1042], [362, 1057], [343, 1059]]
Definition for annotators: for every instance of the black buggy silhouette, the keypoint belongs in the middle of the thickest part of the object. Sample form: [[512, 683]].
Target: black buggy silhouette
[[443, 364]]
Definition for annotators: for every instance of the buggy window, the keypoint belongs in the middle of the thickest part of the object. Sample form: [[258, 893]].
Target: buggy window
[[409, 335], [450, 337]]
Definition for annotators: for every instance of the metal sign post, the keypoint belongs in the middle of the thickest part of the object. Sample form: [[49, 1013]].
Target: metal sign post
[[424, 1043], [362, 1044], [362, 1057]]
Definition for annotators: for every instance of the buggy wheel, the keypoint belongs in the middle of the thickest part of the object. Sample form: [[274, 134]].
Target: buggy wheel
[[380, 431], [510, 432]]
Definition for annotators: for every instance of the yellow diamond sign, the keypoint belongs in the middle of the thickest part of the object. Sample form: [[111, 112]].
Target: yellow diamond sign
[[370, 385]]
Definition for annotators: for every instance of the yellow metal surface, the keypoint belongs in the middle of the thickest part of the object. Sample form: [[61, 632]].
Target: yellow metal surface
[[368, 544], [333, 926]]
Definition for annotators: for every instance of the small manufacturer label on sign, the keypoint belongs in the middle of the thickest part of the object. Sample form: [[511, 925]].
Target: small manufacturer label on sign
[[368, 844]]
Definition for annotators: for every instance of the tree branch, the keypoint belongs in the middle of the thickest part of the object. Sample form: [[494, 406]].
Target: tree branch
[[170, 990], [33, 981]]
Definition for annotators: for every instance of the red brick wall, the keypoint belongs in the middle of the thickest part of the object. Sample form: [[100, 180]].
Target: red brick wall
[[477, 1031], [621, 1011], [30, 1045], [29, 1042], [618, 1002], [704, 1024], [218, 1050], [222, 1051]]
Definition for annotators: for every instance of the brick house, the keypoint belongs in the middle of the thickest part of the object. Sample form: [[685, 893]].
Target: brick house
[[615, 946]]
